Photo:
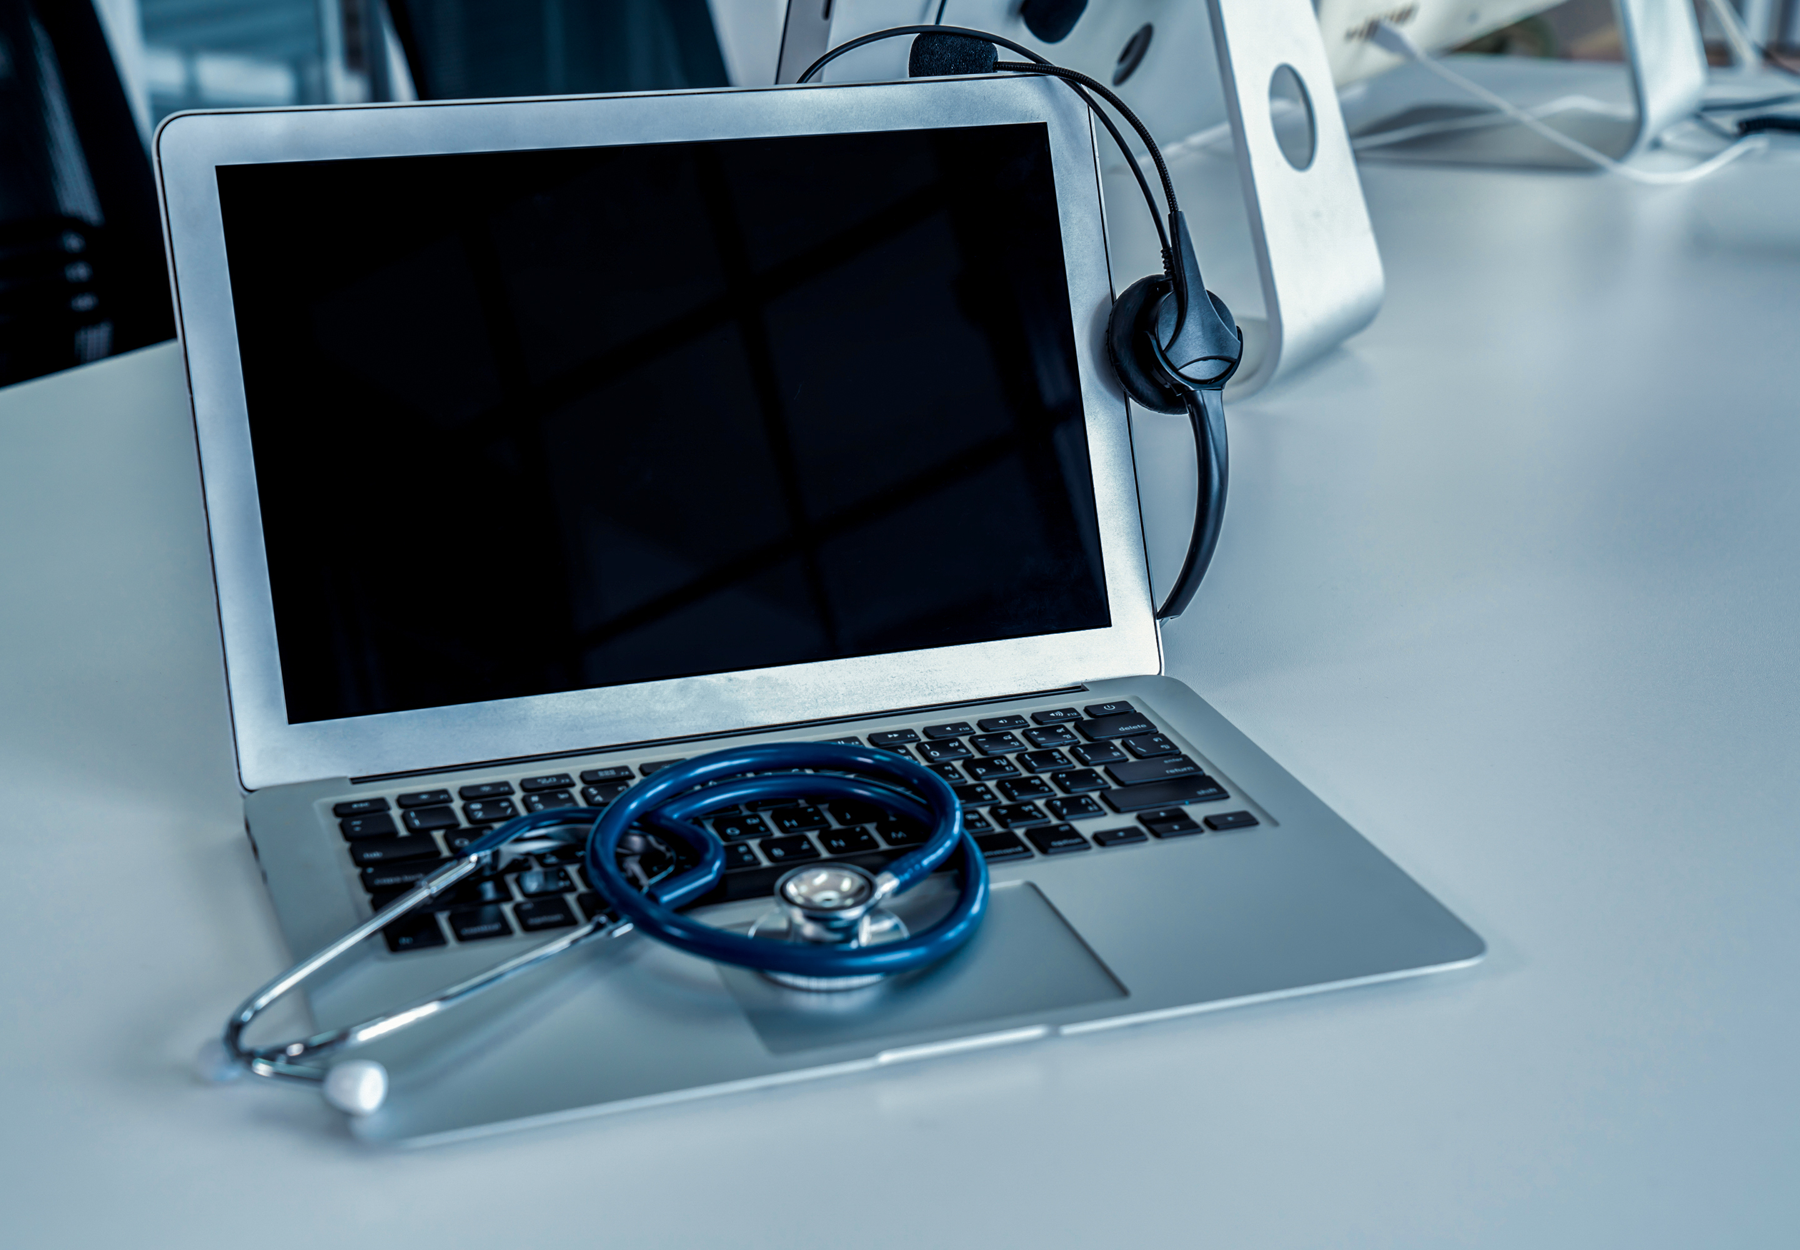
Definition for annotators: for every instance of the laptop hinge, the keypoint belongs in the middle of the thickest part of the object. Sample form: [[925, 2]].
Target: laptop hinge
[[650, 744]]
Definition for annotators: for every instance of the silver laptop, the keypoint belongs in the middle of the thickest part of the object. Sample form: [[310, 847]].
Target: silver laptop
[[546, 442]]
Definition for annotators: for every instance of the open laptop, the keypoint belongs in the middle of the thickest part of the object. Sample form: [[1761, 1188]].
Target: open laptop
[[546, 442]]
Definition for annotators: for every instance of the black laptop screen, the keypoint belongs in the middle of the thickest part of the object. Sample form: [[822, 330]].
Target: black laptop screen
[[527, 422]]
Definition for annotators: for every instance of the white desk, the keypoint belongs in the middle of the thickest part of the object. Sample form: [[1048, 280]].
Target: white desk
[[1512, 582]]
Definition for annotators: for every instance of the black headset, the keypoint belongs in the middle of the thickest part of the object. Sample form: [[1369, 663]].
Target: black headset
[[1172, 351]]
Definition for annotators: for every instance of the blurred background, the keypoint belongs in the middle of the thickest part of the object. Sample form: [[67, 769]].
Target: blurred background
[[84, 82]]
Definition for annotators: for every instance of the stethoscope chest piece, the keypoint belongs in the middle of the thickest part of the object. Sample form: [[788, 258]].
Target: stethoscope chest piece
[[830, 905]]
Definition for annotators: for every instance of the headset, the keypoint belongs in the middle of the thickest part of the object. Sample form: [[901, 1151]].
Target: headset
[[1171, 350], [648, 855]]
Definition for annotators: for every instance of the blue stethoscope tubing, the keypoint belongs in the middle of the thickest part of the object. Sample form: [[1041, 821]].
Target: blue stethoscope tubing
[[676, 797]]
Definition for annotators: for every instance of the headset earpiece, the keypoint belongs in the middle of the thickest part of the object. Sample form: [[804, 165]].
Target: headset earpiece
[[1134, 317], [1141, 318]]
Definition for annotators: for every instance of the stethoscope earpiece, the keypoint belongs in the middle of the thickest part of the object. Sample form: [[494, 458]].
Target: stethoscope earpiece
[[356, 1086]]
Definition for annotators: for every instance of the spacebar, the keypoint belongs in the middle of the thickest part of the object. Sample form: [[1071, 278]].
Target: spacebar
[[1163, 793]]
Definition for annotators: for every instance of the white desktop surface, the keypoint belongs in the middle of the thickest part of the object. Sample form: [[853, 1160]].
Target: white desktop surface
[[1512, 581]]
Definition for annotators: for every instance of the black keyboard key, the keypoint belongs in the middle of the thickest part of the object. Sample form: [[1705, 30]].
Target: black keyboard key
[[1094, 754], [543, 913], [459, 840], [480, 892], [1196, 789], [1119, 837], [896, 748], [975, 822], [851, 741], [903, 833], [1097, 710], [849, 841], [541, 881], [893, 737], [955, 729], [975, 795], [558, 856], [379, 825], [604, 793], [604, 776], [1058, 840], [947, 771], [425, 819], [1106, 728], [390, 850], [789, 850], [1018, 815], [477, 924], [1043, 761], [740, 826], [995, 724], [1149, 746], [855, 812], [491, 812], [1047, 736], [1176, 827], [991, 769], [593, 905], [486, 790], [794, 819], [1002, 846], [656, 766], [547, 781], [1056, 716], [1231, 820], [1079, 780], [943, 749], [740, 855], [424, 798], [1023, 788], [413, 933], [1079, 808], [1137, 772], [544, 800], [381, 900], [399, 876], [360, 807], [997, 744]]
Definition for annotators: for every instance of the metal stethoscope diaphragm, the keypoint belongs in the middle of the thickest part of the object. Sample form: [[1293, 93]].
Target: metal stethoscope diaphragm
[[830, 929]]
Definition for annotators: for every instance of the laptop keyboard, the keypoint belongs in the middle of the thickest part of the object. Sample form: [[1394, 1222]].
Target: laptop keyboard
[[1056, 781]]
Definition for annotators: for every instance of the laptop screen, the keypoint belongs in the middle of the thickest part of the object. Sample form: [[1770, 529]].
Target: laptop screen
[[527, 422]]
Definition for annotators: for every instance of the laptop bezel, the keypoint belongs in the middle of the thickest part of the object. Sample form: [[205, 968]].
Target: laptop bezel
[[189, 147]]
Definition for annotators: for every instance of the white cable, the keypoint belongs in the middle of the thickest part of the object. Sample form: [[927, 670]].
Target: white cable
[[1482, 121], [1392, 39]]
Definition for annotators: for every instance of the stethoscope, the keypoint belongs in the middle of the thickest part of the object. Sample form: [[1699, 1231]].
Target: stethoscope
[[830, 930]]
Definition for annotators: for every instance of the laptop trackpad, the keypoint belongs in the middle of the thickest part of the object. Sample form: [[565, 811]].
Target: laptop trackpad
[[1023, 962]]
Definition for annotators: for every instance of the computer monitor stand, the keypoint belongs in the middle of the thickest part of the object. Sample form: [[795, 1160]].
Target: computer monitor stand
[[1318, 268], [1309, 226], [1409, 114]]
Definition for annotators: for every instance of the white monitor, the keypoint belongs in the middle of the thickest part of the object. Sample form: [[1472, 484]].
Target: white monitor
[[1435, 25]]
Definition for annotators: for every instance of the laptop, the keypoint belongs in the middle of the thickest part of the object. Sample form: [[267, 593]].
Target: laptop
[[547, 442]]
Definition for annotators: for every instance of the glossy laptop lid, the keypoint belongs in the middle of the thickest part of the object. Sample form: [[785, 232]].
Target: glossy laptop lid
[[533, 426]]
